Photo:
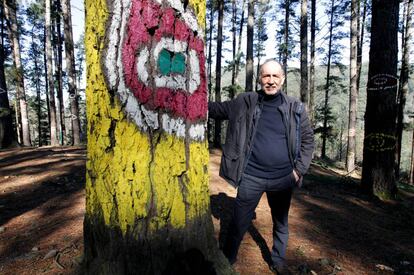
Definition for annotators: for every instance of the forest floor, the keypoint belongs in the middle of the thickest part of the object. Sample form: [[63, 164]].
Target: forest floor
[[334, 229]]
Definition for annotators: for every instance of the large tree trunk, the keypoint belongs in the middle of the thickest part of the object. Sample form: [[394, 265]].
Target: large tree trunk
[[304, 53], [378, 175], [312, 63], [147, 212], [71, 72], [403, 83], [38, 73], [7, 136], [327, 85], [361, 31], [50, 79], [353, 91], [58, 73], [10, 14], [217, 88], [249, 48]]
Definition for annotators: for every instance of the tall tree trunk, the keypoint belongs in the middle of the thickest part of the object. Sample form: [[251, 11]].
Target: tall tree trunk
[[249, 48], [71, 72], [210, 43], [37, 85], [51, 86], [234, 33], [10, 14], [353, 91], [7, 136], [403, 83], [239, 46], [58, 72], [147, 212], [378, 175], [46, 79], [312, 63], [304, 53], [217, 127], [411, 180], [361, 31], [286, 45], [327, 85]]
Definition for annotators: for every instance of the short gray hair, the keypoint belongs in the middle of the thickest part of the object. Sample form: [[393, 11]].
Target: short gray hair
[[268, 61]]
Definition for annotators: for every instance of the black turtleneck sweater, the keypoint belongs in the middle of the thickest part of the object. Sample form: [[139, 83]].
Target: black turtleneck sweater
[[269, 157]]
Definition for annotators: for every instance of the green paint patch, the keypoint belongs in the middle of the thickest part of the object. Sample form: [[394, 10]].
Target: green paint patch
[[178, 63], [171, 63]]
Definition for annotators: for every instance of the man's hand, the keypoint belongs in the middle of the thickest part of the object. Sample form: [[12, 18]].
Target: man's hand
[[296, 176]]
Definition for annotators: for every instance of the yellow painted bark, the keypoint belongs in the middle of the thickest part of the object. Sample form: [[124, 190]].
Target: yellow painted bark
[[129, 176]]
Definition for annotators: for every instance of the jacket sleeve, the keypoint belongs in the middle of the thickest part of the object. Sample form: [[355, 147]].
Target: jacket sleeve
[[307, 145], [219, 110]]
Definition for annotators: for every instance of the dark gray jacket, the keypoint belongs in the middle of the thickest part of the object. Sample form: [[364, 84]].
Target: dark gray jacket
[[243, 114]]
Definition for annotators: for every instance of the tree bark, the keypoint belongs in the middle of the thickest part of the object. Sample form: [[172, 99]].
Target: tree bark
[[327, 86], [217, 127], [147, 212], [411, 180], [7, 135], [50, 79], [286, 45], [249, 46], [10, 14], [239, 46], [71, 72], [58, 72], [234, 42], [378, 175], [312, 63], [353, 91], [403, 83], [304, 53]]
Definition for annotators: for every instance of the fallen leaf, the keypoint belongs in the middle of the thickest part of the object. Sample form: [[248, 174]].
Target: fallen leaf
[[50, 254]]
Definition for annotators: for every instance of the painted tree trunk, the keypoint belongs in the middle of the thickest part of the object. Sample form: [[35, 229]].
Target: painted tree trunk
[[378, 175], [147, 195], [71, 72]]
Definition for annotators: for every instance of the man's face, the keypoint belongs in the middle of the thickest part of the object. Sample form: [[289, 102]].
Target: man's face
[[271, 77]]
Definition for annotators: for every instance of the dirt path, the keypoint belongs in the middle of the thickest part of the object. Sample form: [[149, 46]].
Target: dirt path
[[333, 228]]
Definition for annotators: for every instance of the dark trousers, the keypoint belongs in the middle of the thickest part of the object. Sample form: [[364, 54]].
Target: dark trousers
[[251, 189]]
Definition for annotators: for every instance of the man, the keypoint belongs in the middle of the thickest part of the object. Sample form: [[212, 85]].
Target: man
[[268, 148]]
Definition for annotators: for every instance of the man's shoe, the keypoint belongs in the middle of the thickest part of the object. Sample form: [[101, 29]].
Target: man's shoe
[[279, 270]]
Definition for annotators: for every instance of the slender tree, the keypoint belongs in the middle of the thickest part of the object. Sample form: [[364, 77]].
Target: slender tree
[[286, 44], [249, 46], [312, 62], [239, 46], [403, 83], [217, 127], [147, 212], [378, 175], [10, 8], [7, 136], [353, 92], [71, 72], [304, 52], [50, 80]]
